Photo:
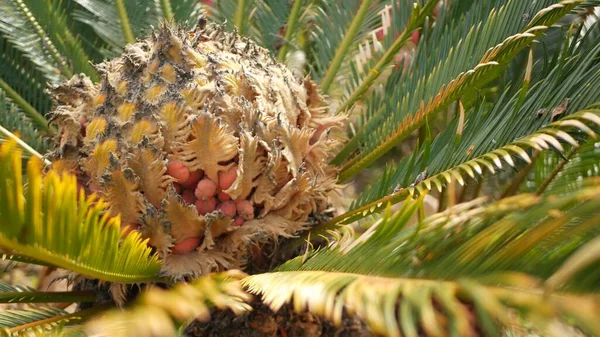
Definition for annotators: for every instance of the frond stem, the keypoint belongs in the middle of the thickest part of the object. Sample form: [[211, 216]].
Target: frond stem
[[125, 25], [556, 170], [23, 144], [341, 51], [76, 315], [167, 9], [416, 19], [289, 29], [238, 19], [45, 39], [47, 297], [514, 186]]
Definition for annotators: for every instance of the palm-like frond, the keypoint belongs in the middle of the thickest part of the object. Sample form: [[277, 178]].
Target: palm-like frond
[[584, 164], [473, 260], [490, 132], [377, 196], [22, 322], [157, 311], [13, 120], [337, 38], [20, 294], [53, 221], [468, 66]]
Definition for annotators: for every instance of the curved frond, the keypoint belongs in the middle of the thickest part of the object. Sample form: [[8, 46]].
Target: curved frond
[[418, 14], [20, 294], [11, 321], [13, 121], [157, 312], [550, 137], [340, 27], [473, 260], [51, 220], [468, 66]]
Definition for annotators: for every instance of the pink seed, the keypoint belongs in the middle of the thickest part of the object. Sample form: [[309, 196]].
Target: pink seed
[[223, 196], [245, 209], [93, 187], [238, 221], [228, 208], [226, 178], [193, 179], [177, 170], [186, 245], [188, 196], [206, 206], [177, 188], [206, 188]]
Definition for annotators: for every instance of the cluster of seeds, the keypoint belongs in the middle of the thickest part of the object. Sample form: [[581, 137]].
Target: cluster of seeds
[[203, 143]]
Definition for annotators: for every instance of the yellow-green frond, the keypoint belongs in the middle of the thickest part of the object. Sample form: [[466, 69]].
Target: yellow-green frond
[[50, 219], [535, 254]]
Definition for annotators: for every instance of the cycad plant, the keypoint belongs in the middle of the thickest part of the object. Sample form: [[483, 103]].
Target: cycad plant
[[301, 168]]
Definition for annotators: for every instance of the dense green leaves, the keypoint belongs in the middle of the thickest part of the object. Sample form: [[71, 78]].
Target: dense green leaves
[[473, 256], [462, 65]]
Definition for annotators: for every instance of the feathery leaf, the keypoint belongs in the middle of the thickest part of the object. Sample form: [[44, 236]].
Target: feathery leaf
[[53, 221]]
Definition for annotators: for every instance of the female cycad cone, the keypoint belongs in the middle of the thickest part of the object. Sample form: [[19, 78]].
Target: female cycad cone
[[202, 140]]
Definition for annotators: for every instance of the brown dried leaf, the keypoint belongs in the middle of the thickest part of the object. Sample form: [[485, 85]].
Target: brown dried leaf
[[151, 170], [184, 219], [213, 144], [295, 146], [174, 124], [121, 192], [250, 166], [197, 264]]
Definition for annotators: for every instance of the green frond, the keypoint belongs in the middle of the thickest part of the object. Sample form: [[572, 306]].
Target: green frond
[[339, 29], [119, 22], [496, 127], [271, 16], [584, 164], [19, 294], [419, 13], [235, 14], [468, 65], [21, 28], [158, 312], [404, 307], [54, 222], [14, 121], [53, 17], [382, 193], [526, 252], [12, 321]]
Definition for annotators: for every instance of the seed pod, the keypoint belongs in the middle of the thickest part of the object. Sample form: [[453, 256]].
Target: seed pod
[[193, 179], [186, 246], [198, 108], [228, 208], [177, 170], [226, 178], [206, 188], [223, 196], [244, 209], [205, 206]]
